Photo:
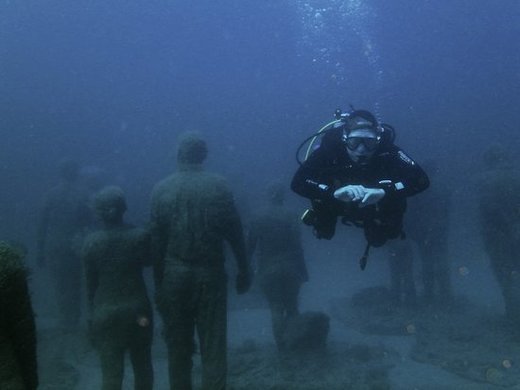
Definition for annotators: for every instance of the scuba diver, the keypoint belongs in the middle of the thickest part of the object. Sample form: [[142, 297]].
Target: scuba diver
[[357, 173]]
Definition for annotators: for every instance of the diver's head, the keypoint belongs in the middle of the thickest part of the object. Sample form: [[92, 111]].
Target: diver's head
[[362, 136], [110, 205], [192, 149]]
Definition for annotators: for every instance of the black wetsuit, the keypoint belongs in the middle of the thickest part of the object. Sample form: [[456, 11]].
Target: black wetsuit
[[329, 167]]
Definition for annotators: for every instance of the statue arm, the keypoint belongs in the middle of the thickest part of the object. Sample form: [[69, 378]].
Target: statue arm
[[158, 243]]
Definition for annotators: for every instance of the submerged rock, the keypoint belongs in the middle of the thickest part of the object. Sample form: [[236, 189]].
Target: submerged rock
[[307, 332]]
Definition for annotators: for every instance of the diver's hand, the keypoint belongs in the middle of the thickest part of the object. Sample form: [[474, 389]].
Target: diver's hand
[[372, 196], [350, 193], [358, 193]]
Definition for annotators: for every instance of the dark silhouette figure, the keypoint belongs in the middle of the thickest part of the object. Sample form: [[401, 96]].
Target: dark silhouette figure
[[18, 365], [402, 283], [64, 218], [193, 214], [120, 317], [281, 269], [499, 200], [427, 224]]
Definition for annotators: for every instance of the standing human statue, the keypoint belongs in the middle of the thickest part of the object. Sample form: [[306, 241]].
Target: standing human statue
[[427, 224], [499, 207], [402, 283], [275, 236], [192, 215], [18, 360], [64, 218], [120, 313]]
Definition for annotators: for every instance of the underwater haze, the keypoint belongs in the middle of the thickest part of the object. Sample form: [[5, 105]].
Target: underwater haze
[[112, 84]]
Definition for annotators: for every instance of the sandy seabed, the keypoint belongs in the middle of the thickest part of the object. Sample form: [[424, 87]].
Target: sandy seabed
[[370, 346]]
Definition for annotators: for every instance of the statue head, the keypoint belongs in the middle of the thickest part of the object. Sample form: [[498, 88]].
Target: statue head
[[110, 205], [192, 149]]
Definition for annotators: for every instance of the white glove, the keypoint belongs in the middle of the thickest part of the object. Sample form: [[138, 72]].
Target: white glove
[[350, 193], [372, 196]]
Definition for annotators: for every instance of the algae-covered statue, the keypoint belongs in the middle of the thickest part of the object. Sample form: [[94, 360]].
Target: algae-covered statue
[[275, 237], [499, 207], [427, 224], [193, 214], [120, 313], [64, 217], [18, 364]]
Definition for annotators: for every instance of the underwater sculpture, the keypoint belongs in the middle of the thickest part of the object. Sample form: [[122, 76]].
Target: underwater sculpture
[[18, 362]]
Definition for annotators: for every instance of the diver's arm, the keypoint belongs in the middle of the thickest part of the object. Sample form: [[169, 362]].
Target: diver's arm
[[306, 181], [310, 180], [409, 178]]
